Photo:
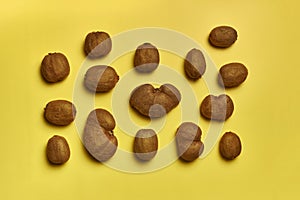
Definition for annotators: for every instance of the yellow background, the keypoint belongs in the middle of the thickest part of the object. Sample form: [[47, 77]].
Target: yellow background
[[266, 115]]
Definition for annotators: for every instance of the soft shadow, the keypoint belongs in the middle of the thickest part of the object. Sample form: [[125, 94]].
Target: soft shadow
[[91, 158]]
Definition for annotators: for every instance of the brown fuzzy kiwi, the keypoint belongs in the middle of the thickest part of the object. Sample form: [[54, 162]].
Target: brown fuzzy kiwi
[[154, 102], [60, 112], [55, 67], [218, 108], [97, 44], [223, 36]]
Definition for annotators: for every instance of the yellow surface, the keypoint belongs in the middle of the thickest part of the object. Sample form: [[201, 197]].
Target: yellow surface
[[266, 114]]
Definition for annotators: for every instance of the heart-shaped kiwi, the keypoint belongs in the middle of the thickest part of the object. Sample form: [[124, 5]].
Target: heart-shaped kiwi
[[218, 108], [154, 102]]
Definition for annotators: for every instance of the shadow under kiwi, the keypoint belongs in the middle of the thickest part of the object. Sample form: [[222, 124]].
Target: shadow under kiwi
[[91, 158]]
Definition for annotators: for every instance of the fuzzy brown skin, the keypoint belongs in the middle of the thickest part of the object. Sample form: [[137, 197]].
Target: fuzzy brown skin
[[154, 102], [98, 137], [146, 58], [97, 44], [218, 108], [223, 36], [57, 150], [55, 67], [100, 143], [172, 92], [193, 151], [230, 146], [60, 112], [100, 78], [145, 144], [103, 118], [232, 75], [188, 140], [194, 64]]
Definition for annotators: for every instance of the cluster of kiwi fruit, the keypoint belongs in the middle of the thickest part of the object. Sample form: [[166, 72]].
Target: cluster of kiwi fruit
[[151, 102]]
